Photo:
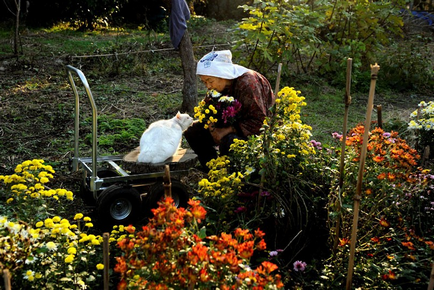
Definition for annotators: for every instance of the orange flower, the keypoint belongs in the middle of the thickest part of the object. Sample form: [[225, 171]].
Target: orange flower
[[368, 191], [384, 223], [343, 242], [122, 285], [378, 159], [203, 275], [198, 212], [259, 233], [130, 229], [430, 245], [409, 245], [262, 245], [391, 176], [268, 267], [381, 176], [240, 233], [390, 276], [375, 240], [245, 250]]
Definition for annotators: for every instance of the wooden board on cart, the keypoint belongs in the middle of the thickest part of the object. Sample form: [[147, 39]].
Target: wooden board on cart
[[183, 159]]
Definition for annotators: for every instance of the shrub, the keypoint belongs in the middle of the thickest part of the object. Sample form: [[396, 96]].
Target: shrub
[[42, 249], [171, 252], [393, 246]]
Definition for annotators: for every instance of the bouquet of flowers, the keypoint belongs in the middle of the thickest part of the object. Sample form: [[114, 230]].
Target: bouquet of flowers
[[217, 110]]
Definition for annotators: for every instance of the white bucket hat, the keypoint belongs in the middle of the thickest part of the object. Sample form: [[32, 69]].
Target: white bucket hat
[[219, 64]]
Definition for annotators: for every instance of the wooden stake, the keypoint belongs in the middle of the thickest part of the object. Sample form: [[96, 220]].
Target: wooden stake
[[347, 100], [431, 279], [7, 279], [167, 183], [379, 116], [279, 72], [374, 71], [106, 260]]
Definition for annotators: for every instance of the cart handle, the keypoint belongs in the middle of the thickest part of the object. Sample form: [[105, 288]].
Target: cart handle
[[83, 79]]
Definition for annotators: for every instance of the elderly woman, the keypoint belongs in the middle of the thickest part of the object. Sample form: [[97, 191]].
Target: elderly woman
[[251, 89]]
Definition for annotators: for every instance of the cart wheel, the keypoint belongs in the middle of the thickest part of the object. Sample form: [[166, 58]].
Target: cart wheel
[[118, 205], [179, 194], [85, 194]]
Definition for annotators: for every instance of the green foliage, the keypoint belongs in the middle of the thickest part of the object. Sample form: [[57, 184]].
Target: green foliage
[[318, 36], [115, 135], [408, 66]]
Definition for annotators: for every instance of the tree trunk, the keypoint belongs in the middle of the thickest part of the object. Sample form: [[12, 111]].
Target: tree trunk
[[189, 91], [17, 27]]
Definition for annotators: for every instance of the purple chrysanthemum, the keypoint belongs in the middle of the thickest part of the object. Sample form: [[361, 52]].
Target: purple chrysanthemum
[[299, 266]]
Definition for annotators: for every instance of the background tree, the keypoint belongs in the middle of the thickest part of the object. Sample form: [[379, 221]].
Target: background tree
[[189, 91]]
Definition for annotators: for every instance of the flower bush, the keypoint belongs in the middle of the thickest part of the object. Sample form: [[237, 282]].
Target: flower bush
[[42, 249], [217, 110], [393, 246], [171, 252], [276, 192], [422, 125]]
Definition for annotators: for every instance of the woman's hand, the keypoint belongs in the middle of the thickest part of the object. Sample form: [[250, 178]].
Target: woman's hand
[[218, 133]]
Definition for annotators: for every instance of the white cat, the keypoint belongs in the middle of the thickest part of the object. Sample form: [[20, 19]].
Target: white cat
[[162, 138]]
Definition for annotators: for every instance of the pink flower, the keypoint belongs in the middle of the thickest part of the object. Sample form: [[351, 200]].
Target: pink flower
[[240, 209], [299, 266]]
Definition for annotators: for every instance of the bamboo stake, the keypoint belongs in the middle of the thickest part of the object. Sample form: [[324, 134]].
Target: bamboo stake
[[106, 260], [374, 71], [431, 279], [279, 72], [7, 279], [347, 100], [276, 90], [167, 183]]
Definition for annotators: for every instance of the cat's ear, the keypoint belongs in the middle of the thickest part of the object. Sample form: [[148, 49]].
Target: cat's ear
[[178, 115]]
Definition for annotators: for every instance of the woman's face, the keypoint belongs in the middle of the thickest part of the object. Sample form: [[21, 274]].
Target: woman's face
[[215, 83]]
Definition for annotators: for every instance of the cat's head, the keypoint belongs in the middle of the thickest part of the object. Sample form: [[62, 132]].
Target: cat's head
[[184, 120]]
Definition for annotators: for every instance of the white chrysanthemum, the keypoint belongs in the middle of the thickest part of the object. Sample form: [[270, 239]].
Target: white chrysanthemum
[[215, 94], [51, 246]]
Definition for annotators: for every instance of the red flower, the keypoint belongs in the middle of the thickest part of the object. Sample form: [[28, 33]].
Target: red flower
[[390, 276], [375, 240]]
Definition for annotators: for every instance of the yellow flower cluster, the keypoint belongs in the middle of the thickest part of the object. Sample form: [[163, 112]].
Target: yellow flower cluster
[[205, 112], [292, 130], [119, 233], [29, 181], [219, 182], [21, 242]]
